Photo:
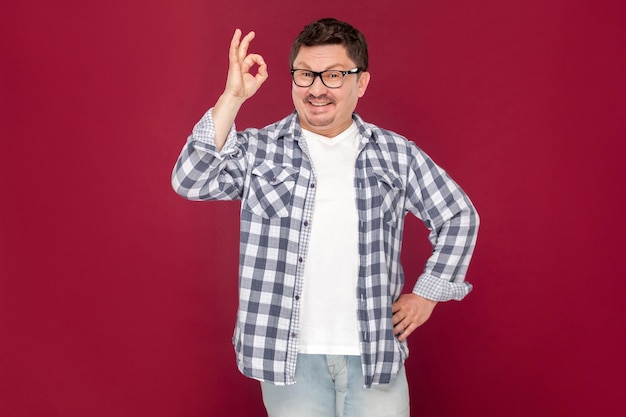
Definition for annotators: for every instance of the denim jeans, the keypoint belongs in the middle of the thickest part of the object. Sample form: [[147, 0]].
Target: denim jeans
[[332, 386]]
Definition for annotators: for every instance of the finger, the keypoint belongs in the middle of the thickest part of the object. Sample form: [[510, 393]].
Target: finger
[[245, 43], [234, 46], [399, 324], [250, 60], [262, 73], [395, 319], [407, 332]]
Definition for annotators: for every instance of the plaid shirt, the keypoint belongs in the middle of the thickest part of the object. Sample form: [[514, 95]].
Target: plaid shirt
[[270, 172]]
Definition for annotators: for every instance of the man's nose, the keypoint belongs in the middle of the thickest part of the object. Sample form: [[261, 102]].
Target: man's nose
[[317, 85]]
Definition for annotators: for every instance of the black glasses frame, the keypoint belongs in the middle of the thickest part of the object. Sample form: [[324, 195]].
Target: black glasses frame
[[319, 74]]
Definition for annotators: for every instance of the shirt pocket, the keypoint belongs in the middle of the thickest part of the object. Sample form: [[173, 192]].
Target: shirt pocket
[[391, 191], [271, 190]]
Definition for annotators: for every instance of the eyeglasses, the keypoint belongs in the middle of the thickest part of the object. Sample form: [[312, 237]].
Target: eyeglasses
[[330, 78]]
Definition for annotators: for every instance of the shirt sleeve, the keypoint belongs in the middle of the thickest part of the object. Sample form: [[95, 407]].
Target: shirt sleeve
[[204, 173], [453, 223]]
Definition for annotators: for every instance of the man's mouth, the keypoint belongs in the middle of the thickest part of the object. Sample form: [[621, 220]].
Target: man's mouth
[[317, 102]]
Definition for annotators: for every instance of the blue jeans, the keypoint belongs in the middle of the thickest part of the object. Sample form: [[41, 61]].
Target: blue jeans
[[332, 386]]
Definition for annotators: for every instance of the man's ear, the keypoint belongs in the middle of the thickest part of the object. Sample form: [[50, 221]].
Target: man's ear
[[364, 80]]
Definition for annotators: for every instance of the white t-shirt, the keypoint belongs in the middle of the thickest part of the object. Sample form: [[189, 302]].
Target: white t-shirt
[[329, 322]]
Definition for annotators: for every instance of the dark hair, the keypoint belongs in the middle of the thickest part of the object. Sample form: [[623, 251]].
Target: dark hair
[[329, 31]]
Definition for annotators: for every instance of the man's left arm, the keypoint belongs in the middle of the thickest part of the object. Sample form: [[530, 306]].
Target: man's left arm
[[453, 222]]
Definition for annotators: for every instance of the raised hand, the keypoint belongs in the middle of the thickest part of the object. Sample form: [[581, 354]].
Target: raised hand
[[241, 84]]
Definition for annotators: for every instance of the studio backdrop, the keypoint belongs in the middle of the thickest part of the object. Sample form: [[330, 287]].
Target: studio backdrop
[[118, 298]]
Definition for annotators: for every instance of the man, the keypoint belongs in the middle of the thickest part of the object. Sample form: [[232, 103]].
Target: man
[[321, 320]]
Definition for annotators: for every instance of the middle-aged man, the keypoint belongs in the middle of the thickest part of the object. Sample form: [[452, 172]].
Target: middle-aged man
[[322, 322]]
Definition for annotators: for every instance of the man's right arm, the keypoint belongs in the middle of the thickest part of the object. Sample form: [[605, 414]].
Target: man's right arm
[[201, 172], [240, 85]]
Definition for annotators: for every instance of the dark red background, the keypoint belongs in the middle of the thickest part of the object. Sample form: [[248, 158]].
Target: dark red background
[[117, 297]]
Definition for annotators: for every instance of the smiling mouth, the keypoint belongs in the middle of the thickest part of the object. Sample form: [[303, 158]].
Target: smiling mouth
[[319, 104], [318, 101]]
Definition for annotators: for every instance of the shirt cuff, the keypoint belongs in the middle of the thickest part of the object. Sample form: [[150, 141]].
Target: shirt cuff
[[203, 136], [437, 289]]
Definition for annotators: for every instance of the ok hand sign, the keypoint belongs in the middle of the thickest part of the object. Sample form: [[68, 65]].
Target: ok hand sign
[[241, 84]]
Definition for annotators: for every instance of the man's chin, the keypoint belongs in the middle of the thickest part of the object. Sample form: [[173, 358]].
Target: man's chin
[[315, 117]]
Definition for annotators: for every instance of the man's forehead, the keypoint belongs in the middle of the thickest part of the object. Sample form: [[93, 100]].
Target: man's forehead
[[328, 55]]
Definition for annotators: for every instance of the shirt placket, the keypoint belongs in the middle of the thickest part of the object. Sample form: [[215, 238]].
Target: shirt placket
[[303, 245], [363, 195]]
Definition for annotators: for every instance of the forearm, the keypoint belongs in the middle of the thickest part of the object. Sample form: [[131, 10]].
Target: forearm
[[224, 114], [204, 173], [444, 275]]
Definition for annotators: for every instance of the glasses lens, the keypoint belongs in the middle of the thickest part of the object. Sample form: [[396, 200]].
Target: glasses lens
[[332, 79], [303, 78]]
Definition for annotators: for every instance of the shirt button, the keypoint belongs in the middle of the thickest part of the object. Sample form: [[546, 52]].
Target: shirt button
[[299, 259], [297, 297], [306, 223], [313, 185], [294, 334]]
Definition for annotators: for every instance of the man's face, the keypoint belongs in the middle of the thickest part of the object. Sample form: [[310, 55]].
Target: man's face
[[322, 110]]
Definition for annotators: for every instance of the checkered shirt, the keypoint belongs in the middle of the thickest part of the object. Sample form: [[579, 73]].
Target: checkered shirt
[[270, 171]]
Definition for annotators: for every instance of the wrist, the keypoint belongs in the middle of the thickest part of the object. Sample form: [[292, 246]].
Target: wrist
[[231, 101]]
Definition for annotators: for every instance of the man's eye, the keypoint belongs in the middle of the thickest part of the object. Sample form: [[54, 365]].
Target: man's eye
[[334, 75], [307, 74]]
